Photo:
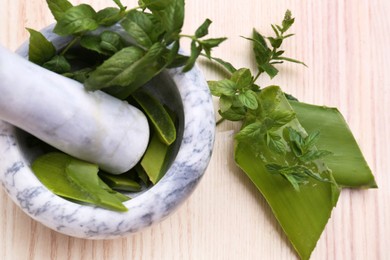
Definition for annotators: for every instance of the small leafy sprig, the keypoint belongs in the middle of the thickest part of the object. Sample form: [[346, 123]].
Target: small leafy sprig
[[306, 154], [122, 60], [268, 56], [263, 124]]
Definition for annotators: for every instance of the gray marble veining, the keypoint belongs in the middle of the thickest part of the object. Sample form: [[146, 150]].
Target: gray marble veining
[[92, 126], [193, 155]]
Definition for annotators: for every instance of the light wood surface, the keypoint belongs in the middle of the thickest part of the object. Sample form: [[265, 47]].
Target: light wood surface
[[346, 47]]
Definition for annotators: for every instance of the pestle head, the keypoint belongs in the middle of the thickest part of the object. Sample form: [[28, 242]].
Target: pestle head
[[92, 126]]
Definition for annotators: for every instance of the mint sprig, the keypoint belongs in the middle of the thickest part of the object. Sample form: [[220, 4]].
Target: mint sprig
[[263, 124], [151, 40]]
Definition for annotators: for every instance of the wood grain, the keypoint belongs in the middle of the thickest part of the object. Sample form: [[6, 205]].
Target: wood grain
[[346, 47]]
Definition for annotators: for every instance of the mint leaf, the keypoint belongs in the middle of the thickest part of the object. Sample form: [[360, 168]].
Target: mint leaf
[[116, 70], [290, 60], [125, 67], [242, 77], [57, 64], [275, 143], [92, 42], [252, 131], [234, 113], [248, 99], [287, 21], [111, 41], [77, 19], [282, 117], [58, 7], [170, 13], [139, 27], [108, 16], [224, 87], [40, 49], [311, 140], [195, 52], [227, 65], [225, 103], [269, 69], [203, 30], [208, 44]]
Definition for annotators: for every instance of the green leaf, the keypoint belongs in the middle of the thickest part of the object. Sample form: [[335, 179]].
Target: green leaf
[[92, 42], [118, 70], [287, 21], [269, 69], [77, 19], [225, 103], [208, 44], [139, 26], [84, 176], [121, 182], [158, 116], [170, 13], [234, 113], [243, 78], [251, 131], [275, 42], [75, 180], [304, 214], [195, 52], [290, 60], [311, 139], [57, 64], [227, 65], [123, 67], [261, 51], [280, 118], [40, 49], [274, 28], [58, 8], [111, 41], [347, 162], [275, 143], [248, 99], [154, 160], [108, 16], [79, 75], [222, 87], [297, 141], [203, 30]]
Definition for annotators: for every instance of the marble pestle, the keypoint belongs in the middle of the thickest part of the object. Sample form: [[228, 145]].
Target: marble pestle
[[91, 126]]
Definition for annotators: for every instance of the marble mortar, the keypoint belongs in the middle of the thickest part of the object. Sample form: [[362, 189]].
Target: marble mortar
[[187, 94]]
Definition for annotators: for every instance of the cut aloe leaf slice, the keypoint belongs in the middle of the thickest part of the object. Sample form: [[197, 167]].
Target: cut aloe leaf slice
[[84, 175], [120, 182], [158, 116], [347, 162], [302, 214], [154, 159], [76, 181]]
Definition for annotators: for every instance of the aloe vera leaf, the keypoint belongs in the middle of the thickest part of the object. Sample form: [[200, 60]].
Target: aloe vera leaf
[[302, 214], [84, 175], [157, 114], [50, 170], [347, 162], [120, 182], [154, 159], [117, 194]]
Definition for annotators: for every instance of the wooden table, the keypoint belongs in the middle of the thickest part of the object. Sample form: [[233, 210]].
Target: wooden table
[[346, 47]]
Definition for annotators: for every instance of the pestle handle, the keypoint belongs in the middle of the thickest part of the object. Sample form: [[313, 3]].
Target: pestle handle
[[92, 126]]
